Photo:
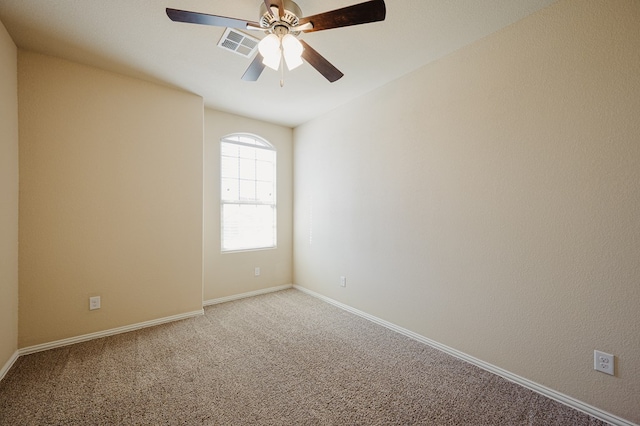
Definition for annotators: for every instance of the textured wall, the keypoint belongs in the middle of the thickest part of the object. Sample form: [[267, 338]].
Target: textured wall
[[233, 273], [490, 201], [110, 200], [8, 197]]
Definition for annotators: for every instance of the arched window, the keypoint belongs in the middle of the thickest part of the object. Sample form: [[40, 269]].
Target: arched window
[[247, 193]]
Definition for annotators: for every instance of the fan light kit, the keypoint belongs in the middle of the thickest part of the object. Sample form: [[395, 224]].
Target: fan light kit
[[282, 22]]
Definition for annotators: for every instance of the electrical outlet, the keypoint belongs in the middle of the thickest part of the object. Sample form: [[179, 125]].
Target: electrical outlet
[[604, 362], [257, 272], [343, 281], [94, 303]]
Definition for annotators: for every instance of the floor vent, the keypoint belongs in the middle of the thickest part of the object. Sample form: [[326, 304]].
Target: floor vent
[[238, 42]]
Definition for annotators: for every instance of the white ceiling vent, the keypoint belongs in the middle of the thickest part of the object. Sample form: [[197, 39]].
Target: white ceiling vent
[[238, 42]]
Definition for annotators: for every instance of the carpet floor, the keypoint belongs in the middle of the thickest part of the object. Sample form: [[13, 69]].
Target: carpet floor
[[283, 358]]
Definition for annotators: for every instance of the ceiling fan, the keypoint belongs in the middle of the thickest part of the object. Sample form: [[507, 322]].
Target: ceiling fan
[[282, 21]]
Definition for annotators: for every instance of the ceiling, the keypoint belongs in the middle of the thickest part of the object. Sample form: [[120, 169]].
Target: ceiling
[[137, 38]]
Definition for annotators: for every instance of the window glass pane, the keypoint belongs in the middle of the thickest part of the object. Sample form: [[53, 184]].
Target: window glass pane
[[265, 193], [264, 226], [247, 152], [266, 155], [231, 240], [229, 167], [247, 139], [229, 150], [230, 190], [264, 171], [247, 169], [247, 190], [248, 226]]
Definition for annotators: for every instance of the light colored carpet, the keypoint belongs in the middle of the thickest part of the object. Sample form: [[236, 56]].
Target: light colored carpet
[[283, 358]]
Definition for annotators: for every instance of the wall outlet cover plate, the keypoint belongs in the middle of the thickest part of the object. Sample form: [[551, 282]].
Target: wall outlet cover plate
[[604, 362], [94, 303]]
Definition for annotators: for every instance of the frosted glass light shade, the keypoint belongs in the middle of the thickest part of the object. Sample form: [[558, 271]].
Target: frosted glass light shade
[[292, 49], [269, 48]]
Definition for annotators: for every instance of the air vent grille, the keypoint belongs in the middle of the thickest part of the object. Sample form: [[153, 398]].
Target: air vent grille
[[238, 42]]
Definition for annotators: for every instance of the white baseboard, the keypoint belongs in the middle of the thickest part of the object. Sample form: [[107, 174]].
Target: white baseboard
[[132, 327], [543, 390], [105, 333], [7, 365], [244, 295]]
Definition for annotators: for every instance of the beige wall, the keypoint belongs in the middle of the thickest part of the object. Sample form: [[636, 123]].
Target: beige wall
[[490, 201], [110, 200], [233, 273], [8, 197]]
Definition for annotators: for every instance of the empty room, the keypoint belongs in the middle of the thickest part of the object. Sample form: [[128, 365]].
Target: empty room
[[382, 212]]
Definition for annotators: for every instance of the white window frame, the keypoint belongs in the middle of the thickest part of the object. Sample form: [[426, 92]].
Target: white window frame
[[247, 140]]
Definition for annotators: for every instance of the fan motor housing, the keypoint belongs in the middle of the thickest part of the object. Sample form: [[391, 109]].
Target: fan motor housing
[[291, 15]]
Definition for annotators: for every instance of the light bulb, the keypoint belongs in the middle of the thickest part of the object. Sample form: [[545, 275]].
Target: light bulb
[[269, 48], [292, 49]]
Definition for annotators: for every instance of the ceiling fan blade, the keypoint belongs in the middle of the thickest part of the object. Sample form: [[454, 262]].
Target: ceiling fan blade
[[275, 3], [317, 61], [177, 15], [255, 69], [363, 13]]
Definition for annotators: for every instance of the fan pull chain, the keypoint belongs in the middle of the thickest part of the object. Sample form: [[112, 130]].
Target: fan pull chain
[[282, 70]]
